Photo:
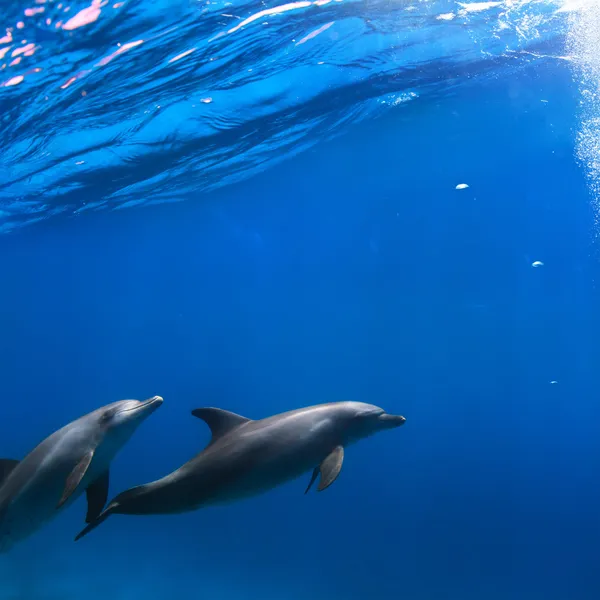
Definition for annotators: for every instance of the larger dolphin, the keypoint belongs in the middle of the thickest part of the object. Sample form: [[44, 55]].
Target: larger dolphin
[[75, 458], [245, 458]]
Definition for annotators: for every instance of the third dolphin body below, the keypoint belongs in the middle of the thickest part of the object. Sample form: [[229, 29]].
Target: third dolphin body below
[[245, 457]]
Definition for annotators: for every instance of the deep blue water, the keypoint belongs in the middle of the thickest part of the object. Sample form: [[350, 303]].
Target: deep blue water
[[345, 265]]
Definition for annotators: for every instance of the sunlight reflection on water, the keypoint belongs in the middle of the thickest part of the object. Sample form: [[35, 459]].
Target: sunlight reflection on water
[[111, 104]]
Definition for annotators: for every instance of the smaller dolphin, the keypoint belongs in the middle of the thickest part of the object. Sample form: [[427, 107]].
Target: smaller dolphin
[[58, 470], [245, 458]]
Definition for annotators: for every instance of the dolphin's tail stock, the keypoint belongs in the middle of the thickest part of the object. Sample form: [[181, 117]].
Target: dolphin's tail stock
[[120, 504], [97, 521]]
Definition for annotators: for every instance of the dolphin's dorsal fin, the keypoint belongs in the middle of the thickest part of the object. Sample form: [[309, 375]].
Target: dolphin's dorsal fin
[[97, 495], [220, 421], [6, 467]]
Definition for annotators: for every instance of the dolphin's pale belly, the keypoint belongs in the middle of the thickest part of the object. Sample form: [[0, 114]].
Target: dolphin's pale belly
[[259, 482]]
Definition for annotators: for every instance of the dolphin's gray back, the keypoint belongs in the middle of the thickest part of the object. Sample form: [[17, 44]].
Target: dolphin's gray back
[[267, 440]]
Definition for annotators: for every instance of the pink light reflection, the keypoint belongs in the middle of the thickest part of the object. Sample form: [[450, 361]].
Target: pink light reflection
[[15, 62], [67, 83], [122, 49], [13, 81], [74, 78], [271, 11], [84, 17], [30, 12], [315, 33], [24, 50], [183, 54], [20, 25], [3, 52]]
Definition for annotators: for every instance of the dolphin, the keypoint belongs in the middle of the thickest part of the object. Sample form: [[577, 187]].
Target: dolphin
[[245, 458], [75, 458]]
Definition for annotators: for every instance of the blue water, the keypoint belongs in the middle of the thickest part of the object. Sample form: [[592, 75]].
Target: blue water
[[318, 250]]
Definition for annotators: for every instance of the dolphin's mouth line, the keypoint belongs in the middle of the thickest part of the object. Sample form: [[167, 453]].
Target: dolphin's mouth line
[[146, 403]]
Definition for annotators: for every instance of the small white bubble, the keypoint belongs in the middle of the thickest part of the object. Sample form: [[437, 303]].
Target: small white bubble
[[462, 186], [537, 263]]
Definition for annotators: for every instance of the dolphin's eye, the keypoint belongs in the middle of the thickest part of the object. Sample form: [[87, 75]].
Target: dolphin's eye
[[108, 415]]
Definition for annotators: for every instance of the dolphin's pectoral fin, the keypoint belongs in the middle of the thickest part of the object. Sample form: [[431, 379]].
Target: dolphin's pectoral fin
[[97, 495], [220, 421], [315, 473], [74, 479], [6, 466], [330, 468]]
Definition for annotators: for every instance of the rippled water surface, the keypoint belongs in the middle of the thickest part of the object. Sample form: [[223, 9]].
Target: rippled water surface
[[115, 104]]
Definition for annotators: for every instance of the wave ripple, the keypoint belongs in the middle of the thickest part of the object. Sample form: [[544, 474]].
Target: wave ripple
[[112, 104]]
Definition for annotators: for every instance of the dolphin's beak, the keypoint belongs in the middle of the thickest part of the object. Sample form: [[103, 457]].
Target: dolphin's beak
[[155, 401], [148, 406], [392, 420], [151, 404]]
